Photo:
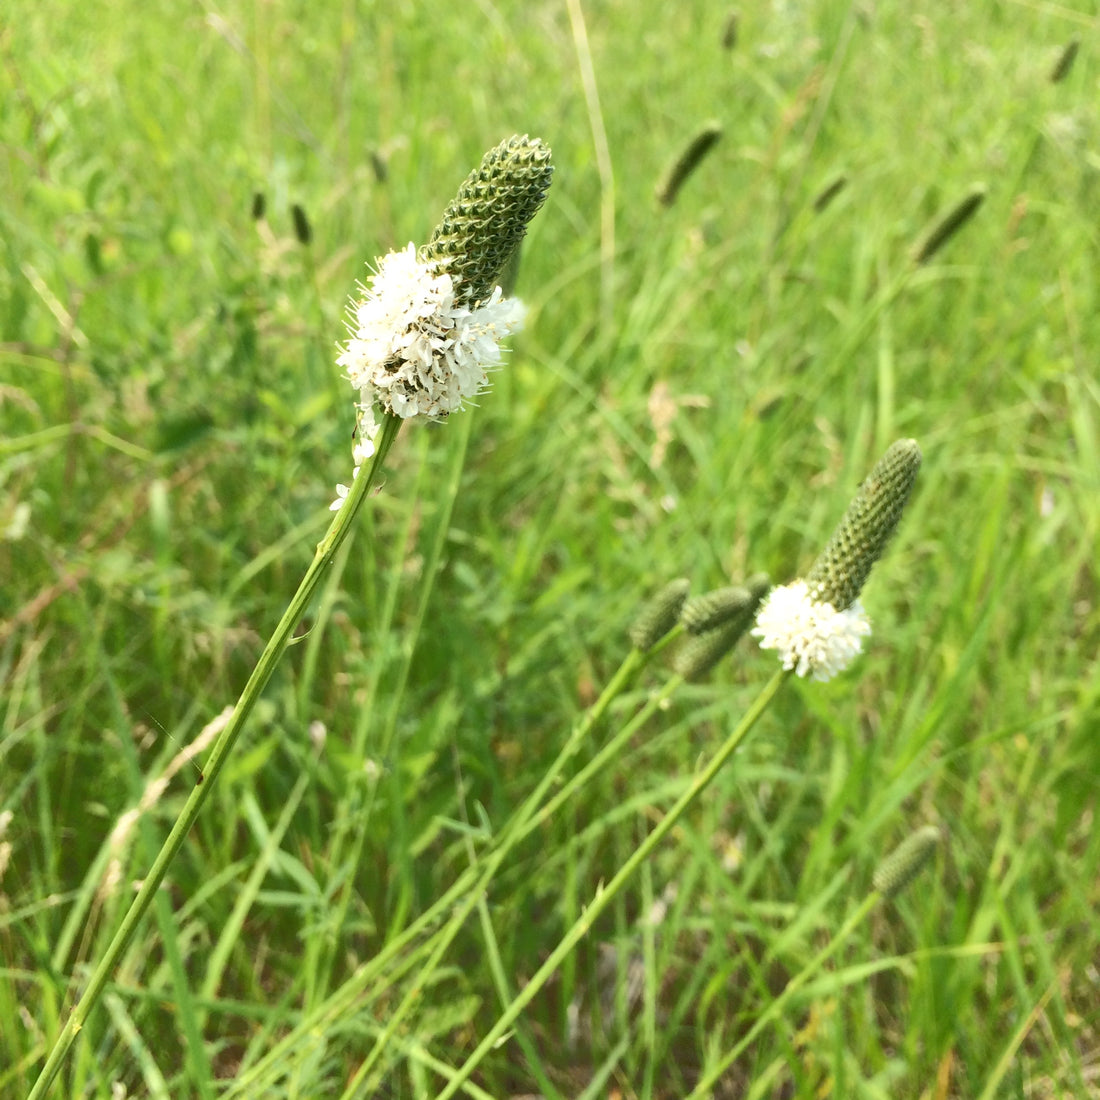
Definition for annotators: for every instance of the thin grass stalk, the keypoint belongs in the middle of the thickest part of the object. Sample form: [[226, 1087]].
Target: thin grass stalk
[[466, 889], [397, 690], [522, 823], [605, 895], [526, 821], [776, 1006], [339, 530]]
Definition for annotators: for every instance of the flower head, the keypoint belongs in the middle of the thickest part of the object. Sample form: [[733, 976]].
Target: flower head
[[906, 861], [426, 330], [414, 351], [811, 637], [657, 616]]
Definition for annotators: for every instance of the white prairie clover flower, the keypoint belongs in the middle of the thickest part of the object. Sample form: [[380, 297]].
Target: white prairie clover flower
[[427, 329], [811, 637], [414, 351], [817, 624]]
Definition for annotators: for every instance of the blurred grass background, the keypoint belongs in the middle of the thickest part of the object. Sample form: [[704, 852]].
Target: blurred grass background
[[698, 391]]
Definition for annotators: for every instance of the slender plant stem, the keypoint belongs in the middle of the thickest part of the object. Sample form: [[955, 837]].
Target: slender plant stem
[[779, 1003], [339, 529], [360, 827], [605, 894], [464, 892]]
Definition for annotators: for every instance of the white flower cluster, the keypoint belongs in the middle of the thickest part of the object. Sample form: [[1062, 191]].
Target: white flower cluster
[[360, 452], [811, 637], [413, 351]]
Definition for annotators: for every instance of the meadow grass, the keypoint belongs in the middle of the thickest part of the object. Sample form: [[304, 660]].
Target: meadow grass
[[699, 389]]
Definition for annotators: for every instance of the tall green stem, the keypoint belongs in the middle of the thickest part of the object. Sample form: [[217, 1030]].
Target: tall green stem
[[338, 531], [459, 900], [779, 1003], [605, 895]]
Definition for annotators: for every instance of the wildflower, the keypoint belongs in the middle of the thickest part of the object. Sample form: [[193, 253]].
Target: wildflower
[[817, 624], [811, 637], [415, 352], [426, 330]]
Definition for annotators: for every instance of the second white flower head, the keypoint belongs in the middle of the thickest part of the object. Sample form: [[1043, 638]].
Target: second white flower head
[[413, 351], [811, 637]]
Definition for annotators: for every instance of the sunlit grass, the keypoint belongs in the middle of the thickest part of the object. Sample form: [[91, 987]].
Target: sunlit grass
[[173, 425]]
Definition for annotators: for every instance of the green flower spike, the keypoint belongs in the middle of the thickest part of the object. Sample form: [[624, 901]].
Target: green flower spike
[[487, 219], [659, 614], [713, 609], [839, 573], [906, 861], [729, 613], [701, 652]]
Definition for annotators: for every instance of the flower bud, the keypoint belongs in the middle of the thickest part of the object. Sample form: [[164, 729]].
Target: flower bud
[[701, 652], [712, 609], [658, 614]]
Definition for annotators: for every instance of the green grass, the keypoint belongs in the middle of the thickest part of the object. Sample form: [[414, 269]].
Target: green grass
[[173, 424]]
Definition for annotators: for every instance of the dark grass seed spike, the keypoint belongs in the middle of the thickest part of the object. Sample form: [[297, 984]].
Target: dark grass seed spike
[[686, 163], [731, 30], [829, 192], [946, 226], [1065, 61], [379, 167], [302, 229]]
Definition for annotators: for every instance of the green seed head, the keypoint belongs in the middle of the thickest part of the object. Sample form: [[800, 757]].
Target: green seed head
[[701, 652], [906, 861], [712, 609], [487, 219], [302, 229], [838, 575], [829, 192], [659, 614]]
